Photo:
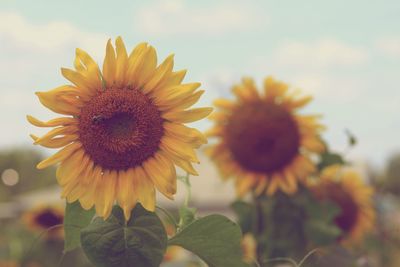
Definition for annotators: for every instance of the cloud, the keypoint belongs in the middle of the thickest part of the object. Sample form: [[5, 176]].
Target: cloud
[[321, 53], [389, 46], [326, 68], [178, 17], [53, 36], [332, 87]]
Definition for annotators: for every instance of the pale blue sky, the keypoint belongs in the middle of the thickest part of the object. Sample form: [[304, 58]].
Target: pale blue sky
[[346, 53]]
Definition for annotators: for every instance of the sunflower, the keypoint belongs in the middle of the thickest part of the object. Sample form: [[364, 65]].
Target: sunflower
[[45, 217], [264, 143], [124, 131], [345, 188]]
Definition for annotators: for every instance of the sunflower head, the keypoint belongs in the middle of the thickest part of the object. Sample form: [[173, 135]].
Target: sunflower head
[[345, 188], [264, 143], [43, 217], [124, 130]]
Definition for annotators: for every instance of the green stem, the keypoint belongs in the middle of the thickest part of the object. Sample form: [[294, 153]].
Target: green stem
[[307, 256], [258, 229], [61, 260], [40, 236]]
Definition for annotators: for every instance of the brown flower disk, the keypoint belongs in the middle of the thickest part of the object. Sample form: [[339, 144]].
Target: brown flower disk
[[120, 128], [263, 137]]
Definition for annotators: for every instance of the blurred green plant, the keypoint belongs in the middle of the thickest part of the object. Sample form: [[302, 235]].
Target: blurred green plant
[[24, 162], [287, 226]]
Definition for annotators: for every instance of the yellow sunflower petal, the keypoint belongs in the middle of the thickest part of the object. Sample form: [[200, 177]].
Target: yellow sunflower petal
[[178, 148], [185, 134], [56, 104], [77, 78], [110, 179], [175, 94], [274, 88], [144, 189], [135, 61], [224, 103], [109, 65], [88, 200], [189, 101], [162, 173], [121, 62], [243, 93], [126, 195], [73, 184], [273, 185], [70, 167], [100, 189], [148, 67], [298, 103], [85, 64], [77, 187], [52, 123], [63, 130], [56, 142], [187, 116], [181, 163], [175, 78], [161, 75], [313, 144], [60, 155], [291, 182], [261, 185], [244, 184], [78, 65], [251, 87], [86, 59]]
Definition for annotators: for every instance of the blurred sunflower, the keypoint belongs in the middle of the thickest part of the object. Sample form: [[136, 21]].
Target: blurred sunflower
[[124, 129], [345, 188], [43, 217], [264, 143]]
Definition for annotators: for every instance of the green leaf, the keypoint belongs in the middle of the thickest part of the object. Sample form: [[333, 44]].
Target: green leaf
[[320, 226], [246, 215], [140, 242], [215, 239], [322, 233], [75, 219], [323, 210], [328, 159]]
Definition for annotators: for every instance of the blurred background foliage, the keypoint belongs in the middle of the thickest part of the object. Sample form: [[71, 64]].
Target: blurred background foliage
[[19, 174]]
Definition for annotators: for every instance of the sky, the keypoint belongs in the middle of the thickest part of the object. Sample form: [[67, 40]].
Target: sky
[[345, 53]]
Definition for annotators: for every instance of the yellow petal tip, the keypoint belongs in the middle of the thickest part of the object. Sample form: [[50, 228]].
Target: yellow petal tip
[[40, 166], [34, 137]]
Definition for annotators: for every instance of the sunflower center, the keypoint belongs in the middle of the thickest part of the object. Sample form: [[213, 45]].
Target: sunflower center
[[120, 128], [48, 219], [262, 137]]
